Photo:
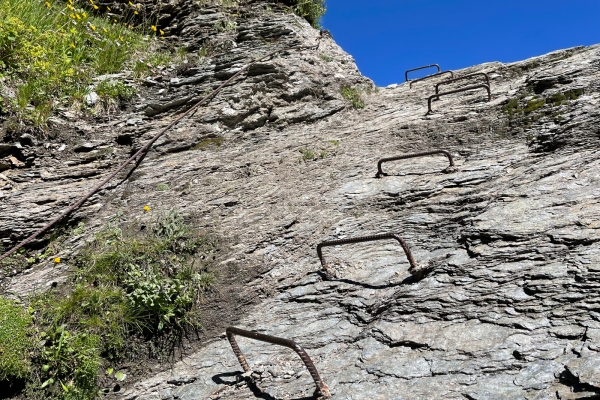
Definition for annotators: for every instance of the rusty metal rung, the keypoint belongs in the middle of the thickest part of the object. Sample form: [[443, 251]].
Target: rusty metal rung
[[487, 79], [414, 268], [464, 89], [322, 389], [423, 67], [380, 172], [431, 76]]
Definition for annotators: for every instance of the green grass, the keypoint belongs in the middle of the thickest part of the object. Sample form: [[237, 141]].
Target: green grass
[[50, 51], [16, 341], [326, 58], [130, 291], [354, 96]]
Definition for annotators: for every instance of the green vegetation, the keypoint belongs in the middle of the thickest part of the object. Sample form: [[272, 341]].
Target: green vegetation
[[161, 187], [16, 341], [525, 112], [326, 58], [131, 292], [311, 10], [206, 143], [353, 96], [50, 51], [533, 105]]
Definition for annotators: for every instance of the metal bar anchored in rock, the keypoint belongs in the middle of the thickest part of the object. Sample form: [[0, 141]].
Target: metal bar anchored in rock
[[423, 67], [482, 86], [414, 269], [380, 172], [460, 78], [322, 389], [431, 76]]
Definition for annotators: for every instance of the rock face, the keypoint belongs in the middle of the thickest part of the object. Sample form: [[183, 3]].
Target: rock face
[[279, 162]]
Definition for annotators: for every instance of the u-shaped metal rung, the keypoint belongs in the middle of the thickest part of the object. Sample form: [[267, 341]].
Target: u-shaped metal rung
[[409, 256], [430, 76], [423, 67], [487, 79], [380, 172], [322, 389], [482, 86]]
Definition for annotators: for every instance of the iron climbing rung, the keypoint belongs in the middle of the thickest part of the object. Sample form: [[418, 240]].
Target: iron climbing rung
[[431, 76], [380, 172], [409, 256], [322, 389], [487, 79], [482, 86], [423, 67]]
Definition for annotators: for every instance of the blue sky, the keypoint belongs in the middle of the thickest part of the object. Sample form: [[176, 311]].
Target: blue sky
[[387, 37]]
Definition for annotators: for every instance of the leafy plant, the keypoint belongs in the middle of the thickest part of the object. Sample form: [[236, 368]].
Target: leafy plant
[[311, 10], [51, 51]]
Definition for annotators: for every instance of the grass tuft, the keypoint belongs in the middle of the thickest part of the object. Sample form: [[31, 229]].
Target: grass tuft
[[353, 96]]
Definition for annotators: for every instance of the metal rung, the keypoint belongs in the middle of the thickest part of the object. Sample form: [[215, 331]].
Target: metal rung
[[487, 79], [431, 76], [423, 67], [380, 172], [486, 87]]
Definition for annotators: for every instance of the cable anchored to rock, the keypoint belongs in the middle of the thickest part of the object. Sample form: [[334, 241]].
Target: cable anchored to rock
[[148, 145]]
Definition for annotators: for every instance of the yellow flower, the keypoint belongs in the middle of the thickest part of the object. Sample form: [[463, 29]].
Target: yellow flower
[[72, 45], [115, 21], [153, 28], [47, 4], [92, 27], [108, 8], [84, 15], [70, 1], [135, 12], [130, 4], [70, 7], [105, 30], [120, 38], [57, 260], [162, 32], [95, 7], [72, 16], [91, 1], [78, 16], [146, 208]]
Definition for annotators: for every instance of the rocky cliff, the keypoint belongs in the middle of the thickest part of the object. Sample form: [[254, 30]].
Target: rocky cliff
[[280, 161]]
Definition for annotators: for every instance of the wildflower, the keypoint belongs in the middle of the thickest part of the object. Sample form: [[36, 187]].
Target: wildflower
[[84, 15], [70, 1], [92, 1], [92, 27], [146, 208], [73, 45], [153, 28], [72, 16], [114, 21], [95, 7], [162, 32], [135, 12], [47, 4], [108, 8], [57, 260], [70, 7], [78, 16], [120, 38], [105, 30], [131, 4]]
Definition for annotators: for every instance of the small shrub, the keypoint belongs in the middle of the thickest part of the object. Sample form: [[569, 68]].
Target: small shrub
[[16, 341], [307, 154], [311, 10], [353, 96], [161, 187], [533, 105], [326, 58], [115, 90]]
